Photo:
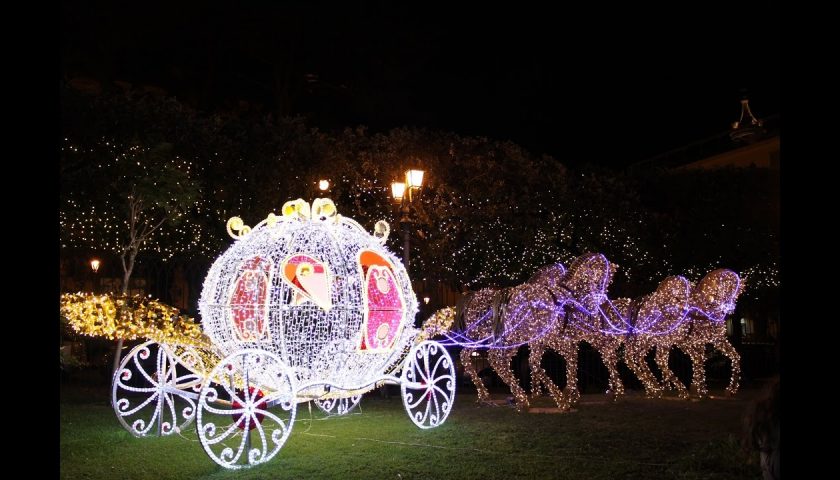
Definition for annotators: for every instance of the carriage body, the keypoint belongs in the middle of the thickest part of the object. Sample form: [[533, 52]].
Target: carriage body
[[326, 297]]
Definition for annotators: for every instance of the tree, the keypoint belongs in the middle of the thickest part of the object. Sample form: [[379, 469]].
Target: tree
[[124, 188], [149, 185]]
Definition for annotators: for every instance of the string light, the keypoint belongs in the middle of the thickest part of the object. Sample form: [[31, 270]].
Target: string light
[[93, 218], [467, 241]]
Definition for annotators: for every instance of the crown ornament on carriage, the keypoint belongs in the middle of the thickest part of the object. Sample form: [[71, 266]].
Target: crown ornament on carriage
[[322, 210]]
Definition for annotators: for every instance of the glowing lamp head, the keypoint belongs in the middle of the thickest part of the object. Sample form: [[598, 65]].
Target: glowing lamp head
[[398, 191], [414, 178], [94, 265], [324, 185]]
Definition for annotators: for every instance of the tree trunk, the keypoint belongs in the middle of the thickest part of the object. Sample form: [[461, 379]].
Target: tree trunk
[[128, 268]]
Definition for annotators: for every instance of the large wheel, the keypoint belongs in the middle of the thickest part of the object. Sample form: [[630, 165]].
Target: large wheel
[[428, 384], [338, 406], [246, 419], [151, 394]]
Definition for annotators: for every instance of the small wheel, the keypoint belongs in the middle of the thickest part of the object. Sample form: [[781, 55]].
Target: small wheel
[[245, 420], [338, 406], [150, 392], [428, 384]]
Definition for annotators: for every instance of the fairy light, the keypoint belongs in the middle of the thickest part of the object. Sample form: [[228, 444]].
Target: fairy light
[[100, 223], [469, 255], [475, 248]]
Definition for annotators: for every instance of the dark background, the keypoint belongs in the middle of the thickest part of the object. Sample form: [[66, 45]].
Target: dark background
[[603, 83]]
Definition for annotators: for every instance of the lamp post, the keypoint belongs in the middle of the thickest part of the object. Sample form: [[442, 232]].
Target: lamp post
[[403, 194]]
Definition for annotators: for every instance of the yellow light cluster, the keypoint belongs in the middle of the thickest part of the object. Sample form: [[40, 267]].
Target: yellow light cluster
[[130, 317]]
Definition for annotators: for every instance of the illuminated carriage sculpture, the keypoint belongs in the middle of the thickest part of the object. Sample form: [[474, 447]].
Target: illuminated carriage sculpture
[[306, 306]]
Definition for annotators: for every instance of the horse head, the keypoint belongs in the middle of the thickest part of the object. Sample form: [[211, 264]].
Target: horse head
[[587, 279], [715, 294], [549, 275]]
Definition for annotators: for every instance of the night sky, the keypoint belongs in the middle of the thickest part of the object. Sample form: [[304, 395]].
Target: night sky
[[602, 83]]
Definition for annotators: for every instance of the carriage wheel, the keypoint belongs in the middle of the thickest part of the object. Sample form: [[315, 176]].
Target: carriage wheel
[[150, 392], [246, 419], [428, 384], [338, 406]]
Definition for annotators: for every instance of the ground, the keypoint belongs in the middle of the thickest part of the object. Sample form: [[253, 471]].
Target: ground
[[635, 438]]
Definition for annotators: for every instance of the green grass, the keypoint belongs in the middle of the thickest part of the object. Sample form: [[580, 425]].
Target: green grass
[[634, 439]]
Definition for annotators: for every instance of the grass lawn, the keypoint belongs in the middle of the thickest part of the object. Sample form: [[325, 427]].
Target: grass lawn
[[636, 438]]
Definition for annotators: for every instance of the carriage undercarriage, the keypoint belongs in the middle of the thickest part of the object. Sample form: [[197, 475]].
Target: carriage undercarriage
[[160, 389]]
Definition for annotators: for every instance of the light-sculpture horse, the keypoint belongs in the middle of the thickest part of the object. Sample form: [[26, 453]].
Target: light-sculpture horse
[[502, 320], [579, 319], [676, 314], [655, 320], [688, 317]]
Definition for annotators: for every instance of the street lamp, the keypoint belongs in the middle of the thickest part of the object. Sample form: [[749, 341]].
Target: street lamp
[[413, 179], [403, 194], [398, 191], [324, 185], [94, 266]]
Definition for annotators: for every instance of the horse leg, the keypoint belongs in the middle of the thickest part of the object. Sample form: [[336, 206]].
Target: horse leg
[[637, 363], [500, 360], [540, 378], [697, 352], [535, 354], [630, 353], [668, 376], [722, 344], [609, 354], [466, 361], [568, 349]]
